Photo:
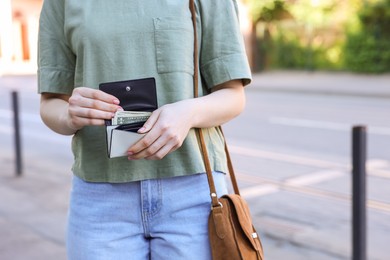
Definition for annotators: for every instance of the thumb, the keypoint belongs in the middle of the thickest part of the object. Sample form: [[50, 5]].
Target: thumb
[[150, 122]]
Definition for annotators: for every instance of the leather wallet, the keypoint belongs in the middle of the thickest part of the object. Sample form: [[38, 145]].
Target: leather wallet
[[134, 95]]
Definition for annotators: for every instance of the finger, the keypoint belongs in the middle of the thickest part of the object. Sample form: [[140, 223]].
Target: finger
[[90, 113], [97, 94], [160, 154], [150, 150], [78, 122], [150, 122], [164, 144], [78, 100], [144, 143], [99, 105]]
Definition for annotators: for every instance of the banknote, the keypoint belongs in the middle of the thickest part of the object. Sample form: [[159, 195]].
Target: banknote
[[127, 117]]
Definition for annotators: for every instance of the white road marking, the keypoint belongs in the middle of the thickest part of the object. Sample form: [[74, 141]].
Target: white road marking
[[298, 122], [259, 190], [377, 163], [268, 186], [315, 177], [372, 170], [47, 137], [377, 167], [299, 181], [5, 130], [24, 117], [379, 173], [284, 157]]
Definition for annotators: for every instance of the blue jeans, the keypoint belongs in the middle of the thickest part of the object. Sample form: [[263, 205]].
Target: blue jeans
[[151, 219]]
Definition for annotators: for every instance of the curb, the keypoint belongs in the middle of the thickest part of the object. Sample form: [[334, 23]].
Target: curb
[[325, 83]]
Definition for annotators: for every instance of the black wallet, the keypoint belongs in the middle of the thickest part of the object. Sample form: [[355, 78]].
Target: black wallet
[[134, 95]]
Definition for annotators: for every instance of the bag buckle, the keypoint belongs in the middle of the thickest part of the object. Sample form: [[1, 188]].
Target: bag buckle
[[214, 195], [219, 206]]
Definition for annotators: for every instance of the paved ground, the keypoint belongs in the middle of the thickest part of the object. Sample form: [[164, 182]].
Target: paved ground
[[33, 207], [33, 210], [338, 83]]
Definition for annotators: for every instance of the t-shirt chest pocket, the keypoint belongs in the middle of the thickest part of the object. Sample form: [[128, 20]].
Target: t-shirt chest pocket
[[174, 42]]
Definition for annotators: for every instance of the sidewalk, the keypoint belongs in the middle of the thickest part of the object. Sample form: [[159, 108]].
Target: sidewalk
[[33, 209], [329, 83]]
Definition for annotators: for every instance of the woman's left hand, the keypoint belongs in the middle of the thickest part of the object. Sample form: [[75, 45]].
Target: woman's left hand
[[165, 131], [169, 125]]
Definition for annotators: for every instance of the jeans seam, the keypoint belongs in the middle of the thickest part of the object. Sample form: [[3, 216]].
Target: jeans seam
[[151, 194]]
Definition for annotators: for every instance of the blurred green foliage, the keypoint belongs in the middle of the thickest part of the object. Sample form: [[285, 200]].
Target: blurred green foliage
[[367, 48], [322, 34]]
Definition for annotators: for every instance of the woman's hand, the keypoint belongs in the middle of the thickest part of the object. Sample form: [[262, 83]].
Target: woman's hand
[[90, 107], [166, 130], [169, 125], [66, 114]]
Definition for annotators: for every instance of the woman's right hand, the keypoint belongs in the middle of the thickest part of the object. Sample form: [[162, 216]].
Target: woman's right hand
[[66, 114], [89, 106]]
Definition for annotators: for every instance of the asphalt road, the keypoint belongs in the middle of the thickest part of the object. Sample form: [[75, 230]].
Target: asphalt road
[[292, 154]]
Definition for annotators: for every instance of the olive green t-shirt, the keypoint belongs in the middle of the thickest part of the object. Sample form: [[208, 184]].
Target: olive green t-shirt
[[88, 42]]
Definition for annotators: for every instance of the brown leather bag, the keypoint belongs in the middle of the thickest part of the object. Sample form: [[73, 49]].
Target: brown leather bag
[[231, 232], [232, 235]]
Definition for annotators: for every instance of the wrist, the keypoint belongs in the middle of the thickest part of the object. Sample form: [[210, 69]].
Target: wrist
[[193, 112], [66, 121]]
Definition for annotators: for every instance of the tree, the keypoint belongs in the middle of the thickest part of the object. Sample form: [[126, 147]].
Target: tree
[[368, 42], [266, 12]]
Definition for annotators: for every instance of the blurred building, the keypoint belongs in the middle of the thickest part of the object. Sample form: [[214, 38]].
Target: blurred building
[[18, 36]]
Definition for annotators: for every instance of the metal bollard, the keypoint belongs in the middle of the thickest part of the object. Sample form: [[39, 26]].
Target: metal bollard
[[18, 150], [359, 148]]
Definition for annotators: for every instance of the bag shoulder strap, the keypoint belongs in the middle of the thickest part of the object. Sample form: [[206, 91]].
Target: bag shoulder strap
[[203, 147]]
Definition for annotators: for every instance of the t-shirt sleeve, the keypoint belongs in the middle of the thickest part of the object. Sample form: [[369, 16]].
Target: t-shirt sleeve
[[222, 52], [56, 60]]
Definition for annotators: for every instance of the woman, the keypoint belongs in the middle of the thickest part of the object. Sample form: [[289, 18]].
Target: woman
[[154, 203]]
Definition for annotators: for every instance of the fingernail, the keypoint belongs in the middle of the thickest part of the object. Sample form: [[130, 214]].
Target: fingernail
[[141, 130], [116, 101], [130, 158], [129, 153], [120, 109]]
